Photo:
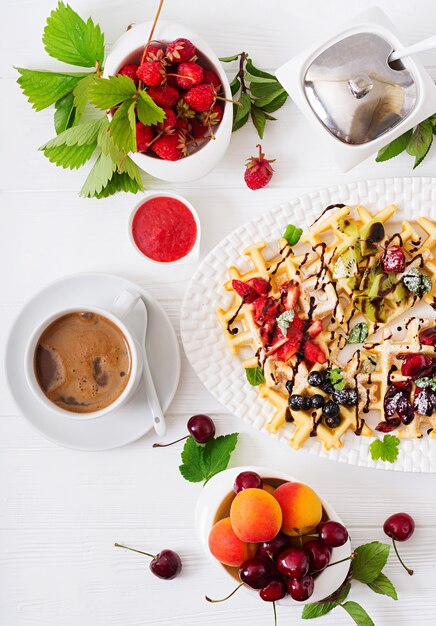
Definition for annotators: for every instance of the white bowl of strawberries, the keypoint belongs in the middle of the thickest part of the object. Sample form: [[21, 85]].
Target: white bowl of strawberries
[[181, 73]]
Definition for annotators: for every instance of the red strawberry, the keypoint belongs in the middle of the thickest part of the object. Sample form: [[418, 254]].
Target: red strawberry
[[296, 327], [247, 293], [265, 311], [289, 294], [200, 98], [315, 328], [313, 353], [259, 171], [394, 259], [151, 73], [180, 50], [144, 135], [261, 285], [169, 147], [164, 96], [169, 121], [189, 75], [210, 78], [214, 116], [290, 348], [130, 71], [154, 53], [198, 129], [182, 124]]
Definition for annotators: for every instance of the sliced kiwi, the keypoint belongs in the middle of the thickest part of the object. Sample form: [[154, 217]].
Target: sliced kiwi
[[346, 264], [371, 234], [350, 229], [381, 286], [399, 295], [372, 308]]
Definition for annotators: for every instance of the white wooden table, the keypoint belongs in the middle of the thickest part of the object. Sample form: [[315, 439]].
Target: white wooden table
[[60, 510]]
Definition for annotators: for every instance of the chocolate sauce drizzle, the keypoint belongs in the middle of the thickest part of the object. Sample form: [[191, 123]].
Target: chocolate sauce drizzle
[[329, 208]]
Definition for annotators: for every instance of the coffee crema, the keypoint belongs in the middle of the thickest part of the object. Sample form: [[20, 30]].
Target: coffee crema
[[82, 362]]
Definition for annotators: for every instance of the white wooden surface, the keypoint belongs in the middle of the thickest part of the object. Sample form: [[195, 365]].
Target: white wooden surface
[[60, 510]]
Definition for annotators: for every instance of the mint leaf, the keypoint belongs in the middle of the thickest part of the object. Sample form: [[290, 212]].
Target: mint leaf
[[259, 119], [98, 177], [216, 454], [119, 182], [358, 333], [369, 561], [254, 71], [242, 110], [417, 282], [235, 85], [148, 111], [106, 93], [393, 149], [255, 376], [122, 127], [44, 88], [357, 613], [191, 468], [64, 116], [385, 449], [229, 59], [318, 609], [81, 93], [383, 586], [292, 234], [425, 381], [336, 378], [284, 320], [68, 38], [420, 141]]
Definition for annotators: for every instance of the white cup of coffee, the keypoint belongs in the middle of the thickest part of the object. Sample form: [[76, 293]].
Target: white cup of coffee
[[83, 362]]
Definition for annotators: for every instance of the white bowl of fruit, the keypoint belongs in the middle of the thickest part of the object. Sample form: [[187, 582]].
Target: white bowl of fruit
[[183, 76], [273, 534]]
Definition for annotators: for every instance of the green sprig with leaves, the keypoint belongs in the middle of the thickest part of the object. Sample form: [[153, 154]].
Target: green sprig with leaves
[[258, 94], [76, 95], [416, 142]]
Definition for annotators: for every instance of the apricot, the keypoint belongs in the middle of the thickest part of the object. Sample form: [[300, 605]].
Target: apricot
[[255, 515], [301, 508], [268, 488], [227, 547]]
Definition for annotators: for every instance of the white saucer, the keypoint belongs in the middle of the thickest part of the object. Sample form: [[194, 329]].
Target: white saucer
[[117, 428]]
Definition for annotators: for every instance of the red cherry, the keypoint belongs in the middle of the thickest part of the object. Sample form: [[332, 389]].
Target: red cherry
[[293, 562], [333, 534], [202, 428], [272, 549], [275, 590], [256, 573], [319, 555], [302, 589], [416, 365], [399, 526], [247, 480], [166, 564]]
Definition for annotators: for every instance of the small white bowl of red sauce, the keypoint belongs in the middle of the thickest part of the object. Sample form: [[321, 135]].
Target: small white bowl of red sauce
[[164, 228]]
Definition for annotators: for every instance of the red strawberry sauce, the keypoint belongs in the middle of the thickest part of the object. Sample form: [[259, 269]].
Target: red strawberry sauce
[[164, 229]]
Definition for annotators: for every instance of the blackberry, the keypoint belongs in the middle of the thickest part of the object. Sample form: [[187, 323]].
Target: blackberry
[[299, 403], [332, 422], [347, 396], [316, 379], [330, 409], [317, 401]]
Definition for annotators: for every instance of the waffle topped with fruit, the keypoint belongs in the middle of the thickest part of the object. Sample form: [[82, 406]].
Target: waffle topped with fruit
[[293, 312]]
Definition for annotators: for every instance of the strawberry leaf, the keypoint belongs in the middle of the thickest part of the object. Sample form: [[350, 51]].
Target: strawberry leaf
[[80, 93], [106, 93], [148, 111], [98, 177], [65, 110], [122, 127], [44, 88], [71, 157], [119, 182]]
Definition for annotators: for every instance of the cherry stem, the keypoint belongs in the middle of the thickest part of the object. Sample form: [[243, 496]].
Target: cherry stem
[[165, 445], [118, 545], [408, 570], [227, 597], [275, 613], [348, 558]]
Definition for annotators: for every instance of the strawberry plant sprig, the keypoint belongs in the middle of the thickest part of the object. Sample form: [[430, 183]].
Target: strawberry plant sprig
[[69, 39], [259, 94], [416, 142]]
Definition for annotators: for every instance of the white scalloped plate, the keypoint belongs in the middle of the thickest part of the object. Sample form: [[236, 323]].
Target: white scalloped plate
[[205, 344]]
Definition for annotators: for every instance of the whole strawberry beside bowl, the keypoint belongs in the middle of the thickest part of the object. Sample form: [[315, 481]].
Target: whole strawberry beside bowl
[[183, 76]]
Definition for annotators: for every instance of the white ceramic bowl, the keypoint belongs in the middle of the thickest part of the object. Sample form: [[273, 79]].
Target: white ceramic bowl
[[220, 486], [201, 162], [193, 254]]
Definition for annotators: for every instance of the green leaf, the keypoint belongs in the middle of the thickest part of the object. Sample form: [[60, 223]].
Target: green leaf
[[132, 170], [284, 320], [192, 455], [357, 613], [217, 453], [106, 144], [417, 282], [98, 177], [235, 85], [71, 157], [119, 182], [237, 125], [122, 127], [385, 449], [148, 111], [84, 133], [318, 609], [336, 378], [106, 93], [276, 104], [243, 109], [261, 90], [81, 94], [369, 561], [64, 116], [292, 234], [255, 376], [279, 91], [393, 149], [229, 59], [68, 38], [383, 586], [358, 333], [259, 119], [260, 79], [425, 381], [44, 88], [254, 71], [420, 141]]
